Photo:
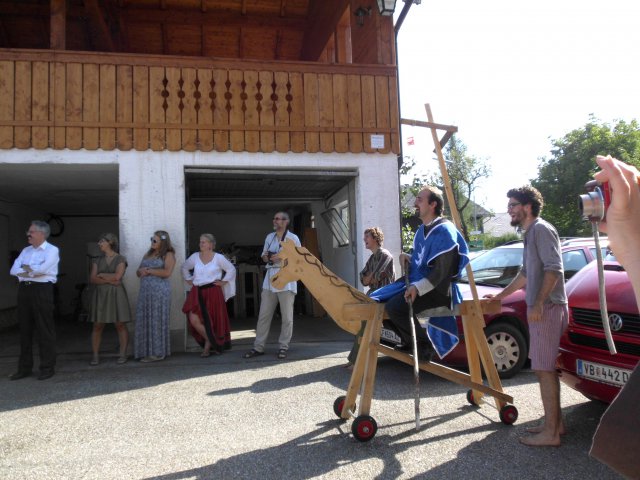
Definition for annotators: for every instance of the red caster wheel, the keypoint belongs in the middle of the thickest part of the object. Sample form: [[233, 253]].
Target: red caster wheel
[[338, 406], [471, 399], [508, 414], [364, 428]]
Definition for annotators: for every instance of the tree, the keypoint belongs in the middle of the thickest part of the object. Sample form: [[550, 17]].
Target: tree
[[464, 172], [561, 178]]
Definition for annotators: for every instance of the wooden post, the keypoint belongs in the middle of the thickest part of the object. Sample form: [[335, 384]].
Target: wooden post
[[58, 20]]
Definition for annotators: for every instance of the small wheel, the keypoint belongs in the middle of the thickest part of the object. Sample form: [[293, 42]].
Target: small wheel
[[338, 405], [508, 414], [470, 399], [364, 428]]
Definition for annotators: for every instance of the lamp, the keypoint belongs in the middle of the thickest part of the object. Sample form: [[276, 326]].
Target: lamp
[[360, 13], [386, 7]]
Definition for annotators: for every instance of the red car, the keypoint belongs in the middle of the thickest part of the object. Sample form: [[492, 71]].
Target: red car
[[585, 363], [507, 332]]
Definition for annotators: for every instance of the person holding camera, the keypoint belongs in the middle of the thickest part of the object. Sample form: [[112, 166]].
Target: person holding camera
[[542, 276], [271, 296]]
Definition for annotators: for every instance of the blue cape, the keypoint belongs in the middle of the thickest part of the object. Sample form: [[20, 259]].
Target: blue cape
[[442, 331]]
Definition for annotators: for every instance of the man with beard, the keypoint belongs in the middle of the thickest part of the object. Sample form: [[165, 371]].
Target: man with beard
[[439, 256], [547, 312]]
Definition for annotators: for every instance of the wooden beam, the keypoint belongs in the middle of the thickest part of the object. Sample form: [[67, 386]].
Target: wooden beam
[[58, 16], [326, 15], [98, 26], [283, 8], [437, 126]]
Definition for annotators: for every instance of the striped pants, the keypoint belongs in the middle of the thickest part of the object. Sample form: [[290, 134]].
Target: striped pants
[[544, 337]]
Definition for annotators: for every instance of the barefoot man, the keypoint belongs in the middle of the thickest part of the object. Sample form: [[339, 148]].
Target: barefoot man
[[547, 312]]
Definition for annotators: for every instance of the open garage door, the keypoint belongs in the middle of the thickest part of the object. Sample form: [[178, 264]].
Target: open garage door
[[237, 206]]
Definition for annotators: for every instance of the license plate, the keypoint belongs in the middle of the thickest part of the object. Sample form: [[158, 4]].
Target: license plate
[[602, 373], [390, 336]]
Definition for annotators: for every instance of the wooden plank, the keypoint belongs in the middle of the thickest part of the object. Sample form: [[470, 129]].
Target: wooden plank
[[267, 117], [124, 106], [251, 114], [141, 101], [311, 112], [340, 112], [325, 104], [204, 112], [382, 110], [107, 106], [297, 112], [394, 106], [354, 99], [40, 103], [173, 113], [91, 105], [22, 134], [189, 114], [73, 105], [59, 100], [7, 96], [368, 109], [447, 373], [236, 115], [282, 117], [220, 111], [156, 110]]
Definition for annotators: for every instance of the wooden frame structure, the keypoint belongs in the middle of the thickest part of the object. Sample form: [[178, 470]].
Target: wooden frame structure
[[349, 307]]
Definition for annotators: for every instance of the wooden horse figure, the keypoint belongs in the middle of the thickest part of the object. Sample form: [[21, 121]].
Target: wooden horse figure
[[348, 307]]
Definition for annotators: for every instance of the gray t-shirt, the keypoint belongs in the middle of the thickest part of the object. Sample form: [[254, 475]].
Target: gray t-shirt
[[542, 252]]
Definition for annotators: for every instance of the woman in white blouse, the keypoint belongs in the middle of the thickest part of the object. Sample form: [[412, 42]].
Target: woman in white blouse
[[213, 282]]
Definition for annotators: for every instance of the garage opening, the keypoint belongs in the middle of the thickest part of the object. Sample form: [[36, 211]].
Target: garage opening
[[80, 201], [237, 207]]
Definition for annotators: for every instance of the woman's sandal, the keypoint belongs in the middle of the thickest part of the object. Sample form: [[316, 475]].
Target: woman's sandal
[[94, 361], [252, 353], [282, 354]]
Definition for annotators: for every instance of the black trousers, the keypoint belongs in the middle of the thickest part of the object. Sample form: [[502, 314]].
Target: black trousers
[[35, 316], [398, 310]]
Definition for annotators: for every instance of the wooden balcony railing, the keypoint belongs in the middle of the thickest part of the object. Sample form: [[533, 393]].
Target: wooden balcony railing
[[54, 99]]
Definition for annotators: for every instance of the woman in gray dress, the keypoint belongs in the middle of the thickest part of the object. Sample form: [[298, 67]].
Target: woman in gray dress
[[154, 300], [109, 302]]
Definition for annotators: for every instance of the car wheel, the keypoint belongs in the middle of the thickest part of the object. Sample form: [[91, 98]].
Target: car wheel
[[508, 347]]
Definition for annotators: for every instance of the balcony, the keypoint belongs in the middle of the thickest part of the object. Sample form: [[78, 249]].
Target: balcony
[[76, 100]]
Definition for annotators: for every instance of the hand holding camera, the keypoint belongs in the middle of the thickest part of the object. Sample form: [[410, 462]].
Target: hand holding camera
[[621, 212]]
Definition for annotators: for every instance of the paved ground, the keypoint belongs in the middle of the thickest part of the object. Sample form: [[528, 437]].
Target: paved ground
[[229, 418]]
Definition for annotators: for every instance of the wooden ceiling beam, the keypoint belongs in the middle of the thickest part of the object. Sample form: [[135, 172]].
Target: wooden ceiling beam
[[210, 18], [98, 26], [326, 15], [58, 19]]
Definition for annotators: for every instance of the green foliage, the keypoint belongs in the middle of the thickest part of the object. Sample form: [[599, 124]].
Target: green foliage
[[493, 242], [561, 178]]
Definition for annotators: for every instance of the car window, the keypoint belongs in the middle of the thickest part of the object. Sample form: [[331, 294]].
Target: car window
[[573, 260], [605, 252], [496, 267]]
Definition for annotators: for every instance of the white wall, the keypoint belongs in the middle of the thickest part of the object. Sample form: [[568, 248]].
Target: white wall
[[152, 197]]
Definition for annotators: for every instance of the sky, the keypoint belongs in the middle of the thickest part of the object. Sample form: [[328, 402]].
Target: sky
[[513, 75]]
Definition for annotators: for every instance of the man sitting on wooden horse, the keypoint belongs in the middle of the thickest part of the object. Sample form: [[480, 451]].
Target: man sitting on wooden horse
[[439, 256]]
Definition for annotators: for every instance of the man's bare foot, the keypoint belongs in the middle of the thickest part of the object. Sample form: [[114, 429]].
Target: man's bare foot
[[539, 429], [541, 440]]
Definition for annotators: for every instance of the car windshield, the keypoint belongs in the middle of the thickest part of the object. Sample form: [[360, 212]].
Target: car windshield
[[496, 267]]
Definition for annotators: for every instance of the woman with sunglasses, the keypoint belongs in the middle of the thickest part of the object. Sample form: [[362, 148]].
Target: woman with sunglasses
[[154, 300], [109, 302], [212, 282]]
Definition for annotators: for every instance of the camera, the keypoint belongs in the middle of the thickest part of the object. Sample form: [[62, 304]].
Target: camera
[[594, 204], [269, 255]]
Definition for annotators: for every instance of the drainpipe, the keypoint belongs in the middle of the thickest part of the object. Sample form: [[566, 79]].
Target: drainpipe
[[401, 17]]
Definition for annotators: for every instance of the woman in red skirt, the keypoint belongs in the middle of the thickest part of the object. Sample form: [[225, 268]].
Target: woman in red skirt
[[213, 282]]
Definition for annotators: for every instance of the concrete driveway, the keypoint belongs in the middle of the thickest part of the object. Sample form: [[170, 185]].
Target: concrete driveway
[[229, 418]]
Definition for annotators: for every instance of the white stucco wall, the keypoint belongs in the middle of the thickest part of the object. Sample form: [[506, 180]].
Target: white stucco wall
[[152, 197]]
